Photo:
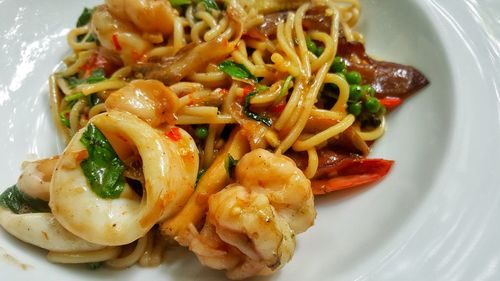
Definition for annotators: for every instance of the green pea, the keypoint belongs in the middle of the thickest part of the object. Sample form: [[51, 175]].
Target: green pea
[[201, 132], [311, 46], [382, 110], [372, 105], [369, 90], [341, 75], [355, 92], [338, 65], [354, 109], [353, 77], [319, 51]]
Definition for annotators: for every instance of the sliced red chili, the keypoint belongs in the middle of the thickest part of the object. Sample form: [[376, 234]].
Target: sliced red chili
[[118, 47], [174, 134], [390, 102], [278, 108], [247, 89], [136, 56]]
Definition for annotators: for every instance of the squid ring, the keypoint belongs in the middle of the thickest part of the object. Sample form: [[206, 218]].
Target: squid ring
[[43, 230], [169, 167]]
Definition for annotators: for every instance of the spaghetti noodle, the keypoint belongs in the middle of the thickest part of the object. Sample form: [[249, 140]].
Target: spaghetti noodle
[[212, 82]]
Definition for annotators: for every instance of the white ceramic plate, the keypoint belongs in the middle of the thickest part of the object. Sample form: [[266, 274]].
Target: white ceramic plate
[[435, 217]]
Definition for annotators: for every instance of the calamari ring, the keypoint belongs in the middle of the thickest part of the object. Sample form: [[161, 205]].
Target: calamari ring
[[43, 230], [169, 167]]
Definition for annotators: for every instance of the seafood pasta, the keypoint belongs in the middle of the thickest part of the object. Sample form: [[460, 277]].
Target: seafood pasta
[[204, 123]]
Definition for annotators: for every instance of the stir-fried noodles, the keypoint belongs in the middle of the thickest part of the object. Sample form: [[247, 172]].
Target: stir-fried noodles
[[211, 124]]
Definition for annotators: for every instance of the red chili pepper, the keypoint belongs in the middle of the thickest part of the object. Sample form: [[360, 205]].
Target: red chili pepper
[[390, 102], [247, 90], [97, 60], [118, 47], [174, 134], [278, 108], [136, 56], [352, 173]]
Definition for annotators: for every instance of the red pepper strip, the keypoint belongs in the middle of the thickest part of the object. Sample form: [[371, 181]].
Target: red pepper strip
[[97, 60], [247, 89], [390, 102], [136, 56], [278, 108], [352, 173], [118, 47], [174, 134]]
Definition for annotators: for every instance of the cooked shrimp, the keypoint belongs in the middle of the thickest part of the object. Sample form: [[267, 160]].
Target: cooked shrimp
[[36, 176], [251, 225], [170, 168], [152, 16], [149, 100], [288, 190], [119, 36]]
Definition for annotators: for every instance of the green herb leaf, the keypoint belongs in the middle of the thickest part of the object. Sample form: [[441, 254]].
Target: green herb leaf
[[21, 203], [94, 100], [253, 115], [177, 3], [201, 172], [96, 76], [64, 119], [74, 97], [210, 5], [236, 70], [85, 17], [90, 38], [284, 89], [230, 164], [259, 88], [94, 265], [74, 81], [103, 168]]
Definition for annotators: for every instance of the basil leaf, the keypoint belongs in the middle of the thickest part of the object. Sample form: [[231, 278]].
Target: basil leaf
[[21, 203], [94, 100], [85, 17], [96, 76], [236, 70], [94, 265], [64, 120], [201, 172], [74, 81], [103, 168], [284, 88], [253, 115], [230, 164], [90, 38], [210, 5], [177, 3], [74, 97]]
